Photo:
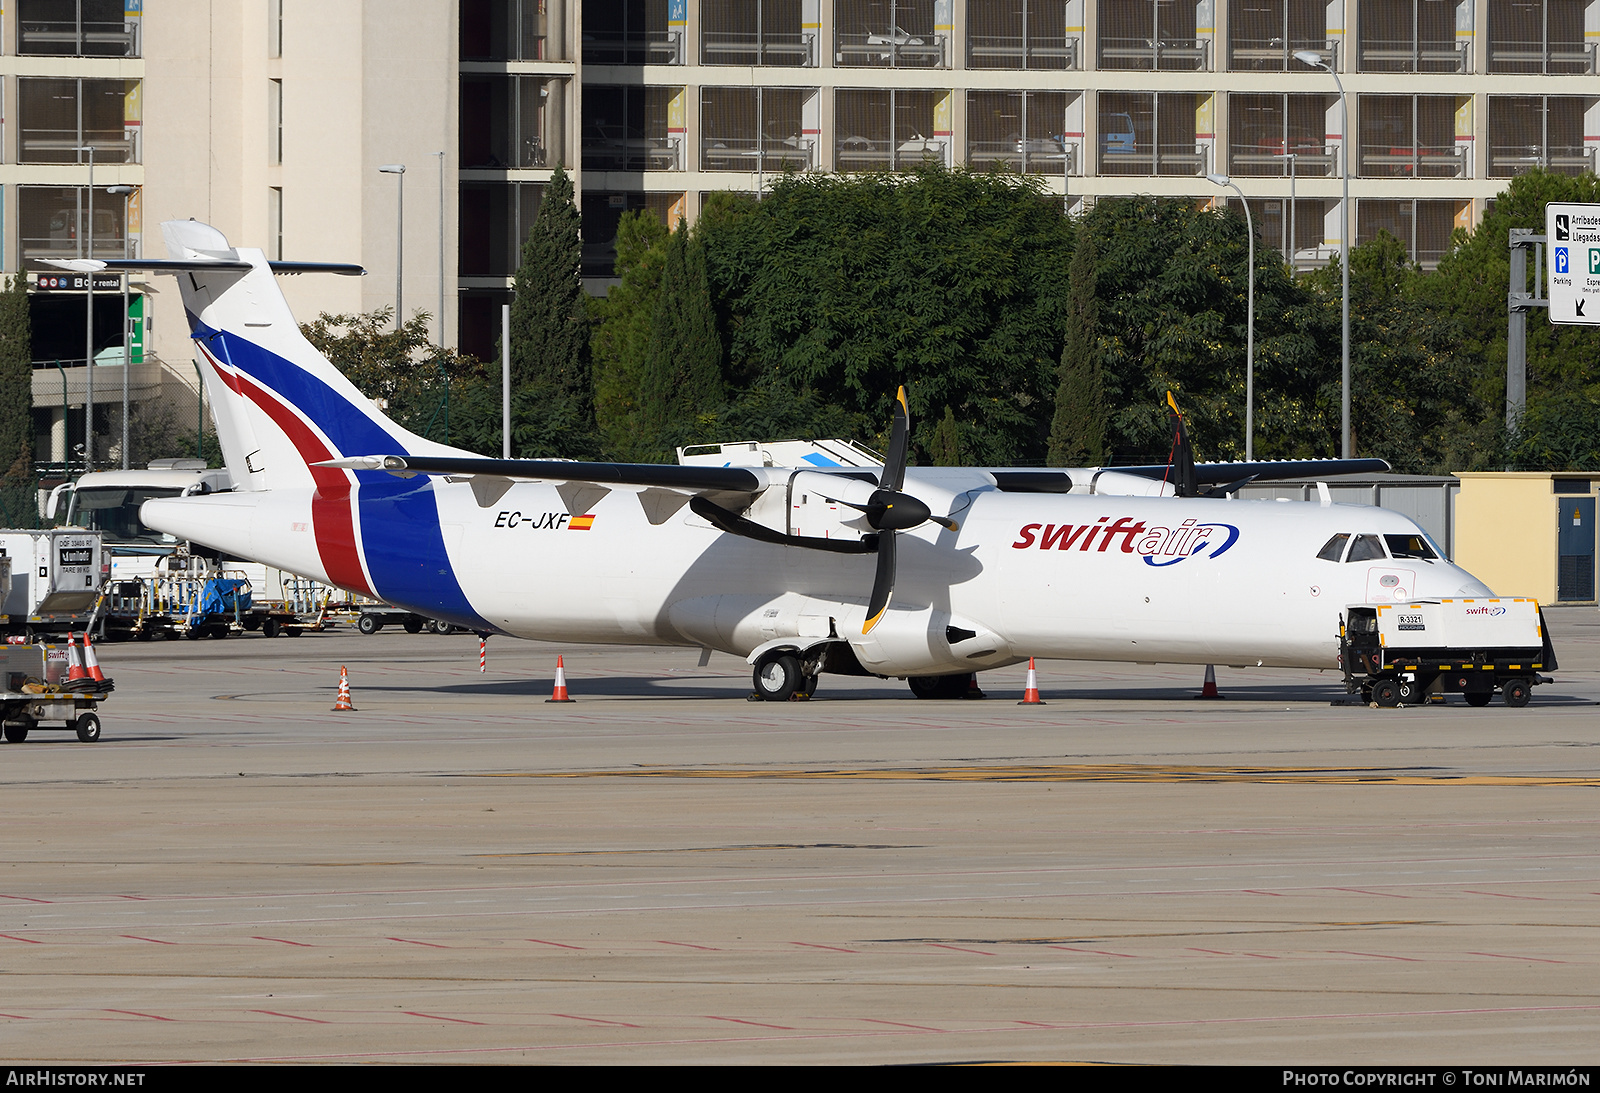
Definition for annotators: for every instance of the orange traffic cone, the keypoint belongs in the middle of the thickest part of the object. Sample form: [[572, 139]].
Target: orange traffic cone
[[343, 701], [91, 662], [1209, 689], [1030, 696], [75, 668], [560, 693]]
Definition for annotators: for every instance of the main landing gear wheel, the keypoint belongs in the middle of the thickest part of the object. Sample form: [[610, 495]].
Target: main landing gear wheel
[[1410, 693], [1478, 698], [1386, 693], [951, 686], [777, 678], [808, 686], [368, 625], [88, 728], [439, 626], [1516, 692]]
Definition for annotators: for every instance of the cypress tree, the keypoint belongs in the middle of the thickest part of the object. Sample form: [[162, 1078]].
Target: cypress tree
[[946, 445], [550, 332], [1077, 434], [16, 381], [683, 365]]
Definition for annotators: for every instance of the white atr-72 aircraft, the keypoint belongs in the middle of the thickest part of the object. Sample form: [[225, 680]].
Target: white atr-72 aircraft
[[924, 573]]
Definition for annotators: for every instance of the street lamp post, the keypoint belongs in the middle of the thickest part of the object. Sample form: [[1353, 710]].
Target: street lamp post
[[127, 355], [1293, 241], [1314, 59], [1250, 322], [441, 257], [399, 233], [88, 332]]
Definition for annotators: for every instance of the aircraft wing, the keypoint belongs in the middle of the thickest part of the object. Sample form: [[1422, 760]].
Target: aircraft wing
[[661, 476], [1264, 471]]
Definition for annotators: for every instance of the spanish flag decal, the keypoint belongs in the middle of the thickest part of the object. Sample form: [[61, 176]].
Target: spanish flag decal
[[581, 523]]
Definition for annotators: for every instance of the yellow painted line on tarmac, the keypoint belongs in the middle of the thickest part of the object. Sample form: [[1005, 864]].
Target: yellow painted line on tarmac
[[1109, 772]]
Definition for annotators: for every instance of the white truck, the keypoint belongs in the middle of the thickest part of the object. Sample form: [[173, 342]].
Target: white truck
[[1409, 653]]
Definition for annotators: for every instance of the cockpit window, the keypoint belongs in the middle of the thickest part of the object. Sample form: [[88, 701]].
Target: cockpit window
[[1333, 549], [1409, 546], [1367, 548]]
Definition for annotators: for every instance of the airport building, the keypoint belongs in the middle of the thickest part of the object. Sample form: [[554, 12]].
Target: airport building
[[275, 120]]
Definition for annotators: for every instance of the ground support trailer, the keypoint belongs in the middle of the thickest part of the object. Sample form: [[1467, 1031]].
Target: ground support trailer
[[372, 617], [55, 578], [1411, 653], [36, 694]]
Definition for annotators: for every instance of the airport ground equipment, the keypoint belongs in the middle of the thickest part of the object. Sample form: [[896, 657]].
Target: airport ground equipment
[[56, 578], [36, 693], [1408, 653], [373, 616]]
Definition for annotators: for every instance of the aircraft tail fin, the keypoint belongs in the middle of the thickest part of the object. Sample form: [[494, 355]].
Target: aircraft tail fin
[[279, 405]]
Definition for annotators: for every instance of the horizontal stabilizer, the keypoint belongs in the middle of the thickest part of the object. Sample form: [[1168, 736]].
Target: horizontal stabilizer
[[1276, 470], [197, 265]]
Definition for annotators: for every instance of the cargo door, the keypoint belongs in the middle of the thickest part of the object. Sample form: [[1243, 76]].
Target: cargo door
[[1575, 538]]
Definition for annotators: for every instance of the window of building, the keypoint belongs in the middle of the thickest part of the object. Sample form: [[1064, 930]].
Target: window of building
[[1539, 36], [77, 28], [1022, 34], [275, 28], [757, 129], [630, 32], [493, 220], [1410, 135], [1152, 35], [1022, 131], [1423, 226], [627, 129], [275, 221], [57, 117], [508, 30], [759, 32], [887, 130], [503, 121], [1264, 35], [1265, 130], [1545, 131], [53, 222], [1412, 36], [274, 121], [1295, 228], [1150, 134], [889, 34]]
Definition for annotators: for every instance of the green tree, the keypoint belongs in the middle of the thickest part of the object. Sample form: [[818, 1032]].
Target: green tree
[[682, 375], [1469, 287], [623, 321], [16, 380], [1172, 288], [550, 333], [1077, 435], [410, 379], [1411, 401], [948, 281]]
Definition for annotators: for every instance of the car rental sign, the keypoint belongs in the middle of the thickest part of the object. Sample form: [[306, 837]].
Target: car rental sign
[[1572, 233]]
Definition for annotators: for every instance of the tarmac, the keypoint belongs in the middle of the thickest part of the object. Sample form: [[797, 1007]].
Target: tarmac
[[663, 872]]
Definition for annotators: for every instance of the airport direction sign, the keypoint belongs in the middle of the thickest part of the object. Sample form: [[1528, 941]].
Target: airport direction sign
[[1572, 233]]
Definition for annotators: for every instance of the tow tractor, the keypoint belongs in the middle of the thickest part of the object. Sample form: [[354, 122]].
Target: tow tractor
[[1411, 653]]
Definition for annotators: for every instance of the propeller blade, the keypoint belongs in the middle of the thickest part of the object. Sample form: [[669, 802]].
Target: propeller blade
[[883, 583], [894, 464]]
